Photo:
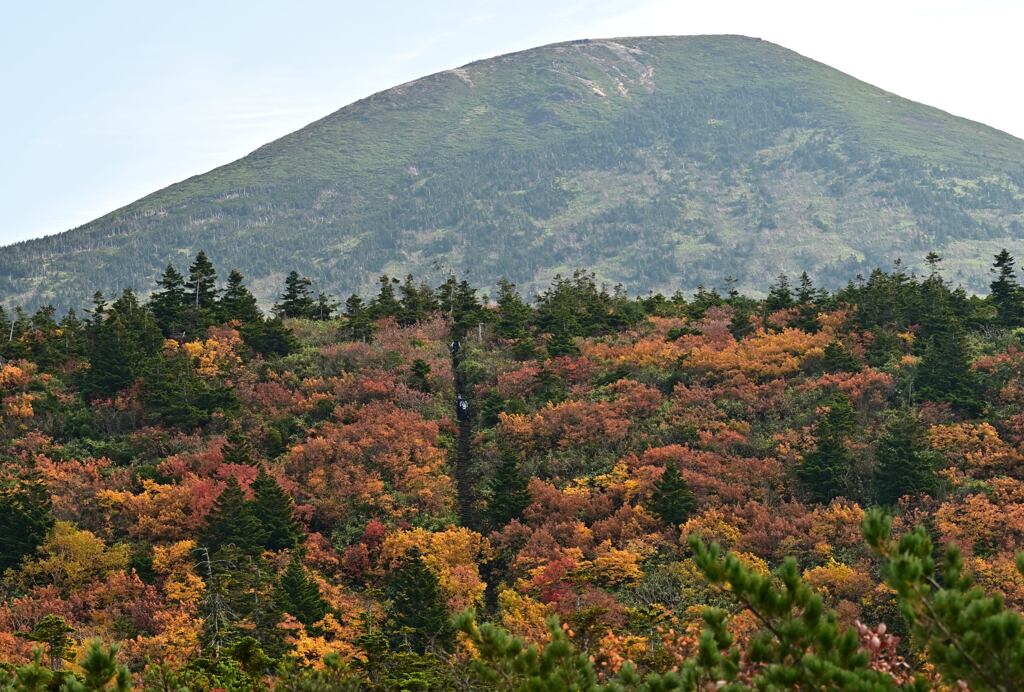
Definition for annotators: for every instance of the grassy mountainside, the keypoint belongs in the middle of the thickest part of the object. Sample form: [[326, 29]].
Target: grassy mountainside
[[662, 162]]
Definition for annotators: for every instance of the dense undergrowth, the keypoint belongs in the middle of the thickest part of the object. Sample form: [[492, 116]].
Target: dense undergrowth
[[663, 492]]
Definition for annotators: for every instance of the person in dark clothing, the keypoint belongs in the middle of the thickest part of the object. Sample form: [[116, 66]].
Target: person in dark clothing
[[455, 347], [461, 408]]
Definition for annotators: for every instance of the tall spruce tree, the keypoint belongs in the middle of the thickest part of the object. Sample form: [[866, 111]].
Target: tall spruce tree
[[297, 299], [513, 312], [233, 522], [780, 296], [944, 373], [807, 304], [385, 304], [120, 340], [508, 492], [417, 302], [25, 519], [358, 324], [904, 463], [825, 470], [237, 449], [299, 595], [325, 307], [417, 618], [200, 295], [1006, 294], [238, 302], [275, 510], [672, 499], [169, 302], [201, 287]]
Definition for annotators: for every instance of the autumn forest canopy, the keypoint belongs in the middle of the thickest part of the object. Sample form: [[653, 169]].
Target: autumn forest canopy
[[815, 489]]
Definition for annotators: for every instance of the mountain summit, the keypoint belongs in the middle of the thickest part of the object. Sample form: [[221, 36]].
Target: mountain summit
[[661, 162]]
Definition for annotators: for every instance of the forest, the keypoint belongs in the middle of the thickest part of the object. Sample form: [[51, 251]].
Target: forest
[[811, 490]]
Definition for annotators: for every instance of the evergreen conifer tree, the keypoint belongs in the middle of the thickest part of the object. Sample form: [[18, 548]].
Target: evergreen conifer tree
[[905, 466], [325, 307], [419, 372], [201, 287], [417, 302], [200, 295], [807, 304], [838, 359], [358, 324], [237, 302], [275, 510], [824, 470], [385, 304], [268, 337], [513, 313], [1006, 294], [672, 499], [237, 449], [297, 299], [417, 618], [299, 595], [508, 492], [741, 325], [169, 301], [780, 296], [233, 522], [25, 519], [944, 373]]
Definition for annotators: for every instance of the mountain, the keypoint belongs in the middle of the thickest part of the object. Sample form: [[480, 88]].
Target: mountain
[[661, 162]]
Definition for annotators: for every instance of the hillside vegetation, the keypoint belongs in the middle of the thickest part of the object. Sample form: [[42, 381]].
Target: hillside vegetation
[[662, 163], [665, 493]]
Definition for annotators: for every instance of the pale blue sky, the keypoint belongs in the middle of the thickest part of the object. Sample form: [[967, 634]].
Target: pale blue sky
[[104, 102]]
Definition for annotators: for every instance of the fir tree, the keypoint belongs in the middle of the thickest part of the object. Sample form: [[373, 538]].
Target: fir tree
[[201, 287], [120, 339], [358, 325], [1006, 294], [299, 595], [237, 302], [169, 302], [467, 310], [508, 492], [417, 618], [5, 329], [237, 449], [780, 297], [944, 373], [513, 313], [419, 374], [297, 299], [325, 307], [200, 295], [275, 510], [417, 302], [837, 359], [807, 305], [905, 465], [385, 304], [741, 325], [233, 522], [672, 499], [175, 395], [25, 519], [268, 337], [824, 470]]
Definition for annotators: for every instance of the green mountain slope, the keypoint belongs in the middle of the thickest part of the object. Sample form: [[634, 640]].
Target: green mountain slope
[[661, 162]]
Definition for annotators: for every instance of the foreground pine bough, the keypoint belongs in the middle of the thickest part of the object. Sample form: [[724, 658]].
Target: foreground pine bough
[[652, 493]]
